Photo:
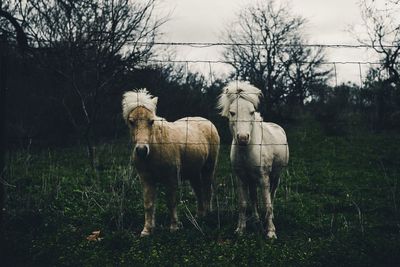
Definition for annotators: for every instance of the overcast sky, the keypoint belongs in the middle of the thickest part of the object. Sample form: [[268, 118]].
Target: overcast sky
[[329, 22]]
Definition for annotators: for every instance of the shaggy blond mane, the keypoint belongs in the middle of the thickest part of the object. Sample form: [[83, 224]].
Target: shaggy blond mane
[[137, 98], [238, 89]]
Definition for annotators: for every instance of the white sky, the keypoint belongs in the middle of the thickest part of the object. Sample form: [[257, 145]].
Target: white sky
[[329, 22]]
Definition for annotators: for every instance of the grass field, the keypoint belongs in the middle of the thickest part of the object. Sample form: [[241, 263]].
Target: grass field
[[337, 205]]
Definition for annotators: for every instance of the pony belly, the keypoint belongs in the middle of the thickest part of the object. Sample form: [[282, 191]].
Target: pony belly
[[190, 171], [249, 173], [159, 172], [192, 165], [249, 165]]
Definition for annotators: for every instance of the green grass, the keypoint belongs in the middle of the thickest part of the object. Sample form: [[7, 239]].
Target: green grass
[[337, 205]]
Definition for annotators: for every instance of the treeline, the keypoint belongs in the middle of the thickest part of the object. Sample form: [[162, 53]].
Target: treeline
[[83, 55], [42, 109]]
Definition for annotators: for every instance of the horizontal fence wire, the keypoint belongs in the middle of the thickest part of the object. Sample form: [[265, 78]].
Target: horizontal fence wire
[[212, 144], [213, 44], [161, 61], [42, 43], [210, 44]]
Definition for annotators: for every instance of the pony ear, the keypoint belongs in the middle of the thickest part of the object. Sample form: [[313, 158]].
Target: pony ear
[[129, 121], [155, 100]]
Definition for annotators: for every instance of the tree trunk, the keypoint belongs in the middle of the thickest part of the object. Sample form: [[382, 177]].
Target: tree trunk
[[90, 148], [380, 107]]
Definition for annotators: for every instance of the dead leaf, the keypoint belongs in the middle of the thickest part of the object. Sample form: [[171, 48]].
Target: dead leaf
[[95, 236]]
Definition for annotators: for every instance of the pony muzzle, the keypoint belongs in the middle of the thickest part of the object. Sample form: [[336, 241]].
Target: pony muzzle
[[243, 139], [142, 150]]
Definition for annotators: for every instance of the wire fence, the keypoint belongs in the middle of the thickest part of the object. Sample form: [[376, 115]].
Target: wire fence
[[357, 68], [209, 69]]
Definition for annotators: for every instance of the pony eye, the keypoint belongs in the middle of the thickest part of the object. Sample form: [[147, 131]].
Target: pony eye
[[151, 122], [251, 113], [232, 113], [132, 122]]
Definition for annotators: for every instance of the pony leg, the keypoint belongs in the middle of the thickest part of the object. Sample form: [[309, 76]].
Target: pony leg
[[171, 203], [198, 191], [274, 182], [254, 201], [242, 192], [207, 177], [268, 204], [149, 193]]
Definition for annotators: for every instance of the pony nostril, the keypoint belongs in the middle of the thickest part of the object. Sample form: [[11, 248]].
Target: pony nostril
[[243, 139], [142, 151]]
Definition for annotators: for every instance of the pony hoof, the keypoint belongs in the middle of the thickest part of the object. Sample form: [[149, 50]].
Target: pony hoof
[[145, 233], [271, 235]]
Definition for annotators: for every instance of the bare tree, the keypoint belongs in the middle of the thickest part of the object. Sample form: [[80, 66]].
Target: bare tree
[[383, 33], [266, 50], [382, 28], [88, 44], [303, 67]]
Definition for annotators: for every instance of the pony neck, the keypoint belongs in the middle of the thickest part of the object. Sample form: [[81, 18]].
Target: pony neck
[[159, 130], [257, 132]]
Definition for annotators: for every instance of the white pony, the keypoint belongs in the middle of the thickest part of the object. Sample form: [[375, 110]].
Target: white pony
[[259, 150], [165, 152]]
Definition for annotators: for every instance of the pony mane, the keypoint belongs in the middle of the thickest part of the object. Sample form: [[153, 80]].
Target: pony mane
[[238, 89], [258, 117], [137, 98]]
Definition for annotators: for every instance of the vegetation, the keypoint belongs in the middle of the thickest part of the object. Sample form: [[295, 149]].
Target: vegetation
[[337, 205]]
